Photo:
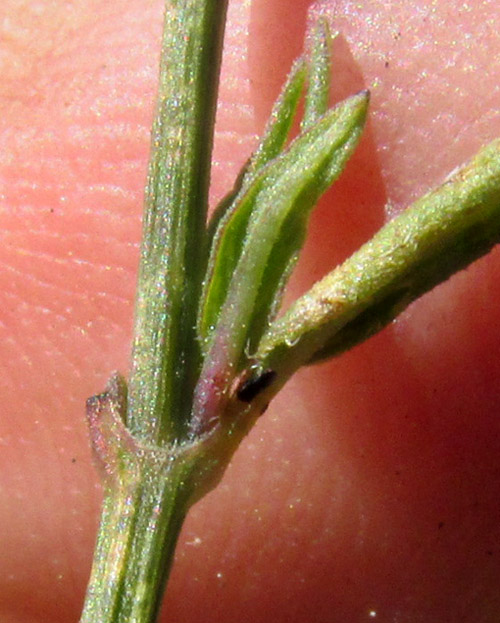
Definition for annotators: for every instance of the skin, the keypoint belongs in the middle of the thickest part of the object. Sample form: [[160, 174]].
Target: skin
[[371, 484]]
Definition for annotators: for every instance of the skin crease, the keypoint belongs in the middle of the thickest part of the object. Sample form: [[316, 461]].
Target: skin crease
[[369, 490]]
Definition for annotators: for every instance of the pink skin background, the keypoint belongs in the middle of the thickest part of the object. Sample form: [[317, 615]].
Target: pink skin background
[[370, 489]]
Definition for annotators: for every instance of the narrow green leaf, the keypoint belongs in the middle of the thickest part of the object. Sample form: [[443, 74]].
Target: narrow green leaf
[[272, 143], [439, 234], [286, 251], [278, 269], [318, 89], [281, 119], [284, 192]]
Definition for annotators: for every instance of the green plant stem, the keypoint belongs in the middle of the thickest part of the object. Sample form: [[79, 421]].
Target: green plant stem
[[146, 490], [140, 523], [165, 351]]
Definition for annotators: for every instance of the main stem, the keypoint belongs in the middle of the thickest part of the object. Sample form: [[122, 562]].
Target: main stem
[[147, 492], [141, 520], [166, 355], [145, 501]]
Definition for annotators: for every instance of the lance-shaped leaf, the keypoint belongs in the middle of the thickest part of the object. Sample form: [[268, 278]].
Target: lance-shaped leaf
[[286, 251], [280, 196], [318, 90], [271, 145], [280, 120], [439, 234]]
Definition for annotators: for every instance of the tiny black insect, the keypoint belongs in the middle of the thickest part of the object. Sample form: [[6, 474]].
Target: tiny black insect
[[252, 387]]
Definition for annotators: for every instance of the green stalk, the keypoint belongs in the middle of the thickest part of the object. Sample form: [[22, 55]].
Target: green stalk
[[145, 492], [140, 523], [165, 352]]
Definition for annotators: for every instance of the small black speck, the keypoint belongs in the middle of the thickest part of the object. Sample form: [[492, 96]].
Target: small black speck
[[386, 64], [73, 460], [51, 210], [490, 552], [440, 525], [253, 386]]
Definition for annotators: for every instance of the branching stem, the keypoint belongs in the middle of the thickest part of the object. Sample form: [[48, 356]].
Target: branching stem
[[209, 351]]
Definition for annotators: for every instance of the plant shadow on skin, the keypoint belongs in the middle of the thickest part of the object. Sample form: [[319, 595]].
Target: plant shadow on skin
[[159, 455]]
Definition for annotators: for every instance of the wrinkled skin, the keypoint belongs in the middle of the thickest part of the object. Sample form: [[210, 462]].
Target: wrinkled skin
[[372, 483]]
